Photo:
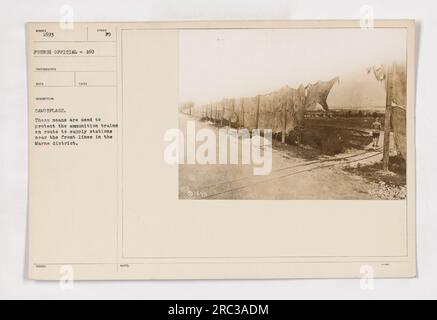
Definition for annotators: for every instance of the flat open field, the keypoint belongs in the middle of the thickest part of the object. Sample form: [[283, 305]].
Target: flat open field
[[339, 130]]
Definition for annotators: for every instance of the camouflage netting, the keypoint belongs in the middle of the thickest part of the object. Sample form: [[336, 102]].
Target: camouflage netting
[[398, 82], [399, 98], [281, 110], [399, 123]]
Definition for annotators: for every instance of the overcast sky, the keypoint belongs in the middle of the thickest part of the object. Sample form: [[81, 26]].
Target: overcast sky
[[216, 64]]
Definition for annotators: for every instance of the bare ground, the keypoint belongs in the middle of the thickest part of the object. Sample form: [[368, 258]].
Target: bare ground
[[298, 173]]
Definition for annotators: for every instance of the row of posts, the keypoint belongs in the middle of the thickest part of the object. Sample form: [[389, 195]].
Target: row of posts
[[284, 114]]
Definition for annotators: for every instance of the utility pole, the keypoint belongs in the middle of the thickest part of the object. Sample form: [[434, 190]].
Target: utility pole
[[387, 121]]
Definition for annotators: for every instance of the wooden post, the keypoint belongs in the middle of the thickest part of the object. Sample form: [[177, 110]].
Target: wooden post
[[222, 115], [387, 121], [232, 113], [257, 113], [284, 127], [242, 111]]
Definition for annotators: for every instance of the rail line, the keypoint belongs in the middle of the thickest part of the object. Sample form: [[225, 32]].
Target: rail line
[[303, 164], [228, 186]]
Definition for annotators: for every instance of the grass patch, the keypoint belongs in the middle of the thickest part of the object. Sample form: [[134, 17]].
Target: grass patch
[[374, 173]]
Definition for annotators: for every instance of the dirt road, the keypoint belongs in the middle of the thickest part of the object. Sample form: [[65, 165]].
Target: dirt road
[[293, 176]]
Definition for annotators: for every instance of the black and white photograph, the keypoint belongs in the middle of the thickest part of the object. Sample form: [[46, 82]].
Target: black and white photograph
[[329, 107]]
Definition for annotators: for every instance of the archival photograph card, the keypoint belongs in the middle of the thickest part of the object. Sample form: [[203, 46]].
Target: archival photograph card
[[221, 150]]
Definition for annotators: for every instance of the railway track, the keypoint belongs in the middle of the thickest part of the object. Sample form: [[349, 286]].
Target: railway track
[[229, 186]]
